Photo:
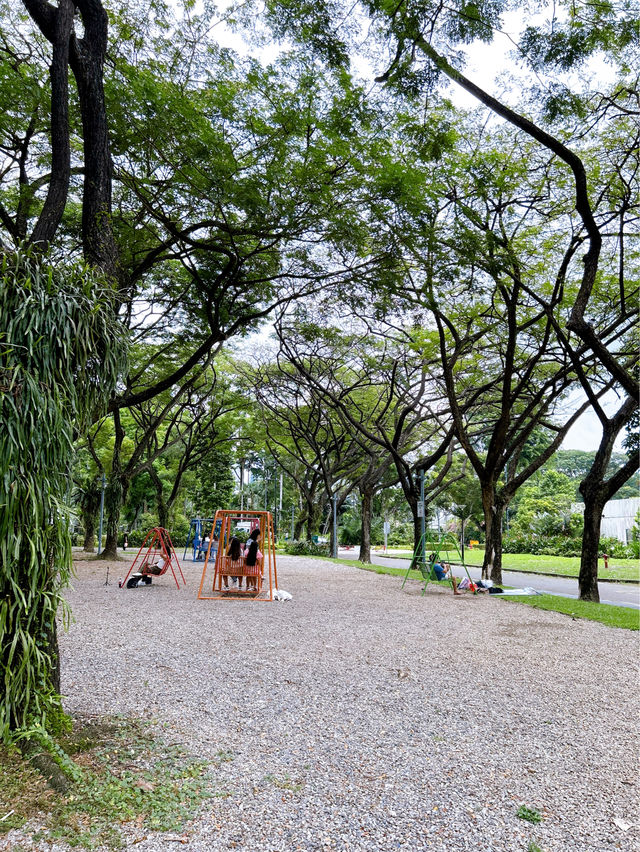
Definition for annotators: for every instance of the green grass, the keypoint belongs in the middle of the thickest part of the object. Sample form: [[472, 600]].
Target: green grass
[[612, 616], [124, 774]]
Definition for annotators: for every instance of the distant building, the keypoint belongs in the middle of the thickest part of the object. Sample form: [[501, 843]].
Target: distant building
[[618, 517]]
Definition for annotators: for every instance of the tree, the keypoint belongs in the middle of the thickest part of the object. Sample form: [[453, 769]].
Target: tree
[[227, 184], [544, 503], [426, 43], [310, 444], [60, 359], [385, 396], [597, 489], [88, 498]]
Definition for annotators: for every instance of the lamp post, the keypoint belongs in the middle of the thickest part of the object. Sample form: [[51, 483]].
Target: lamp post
[[422, 518], [104, 482], [334, 500]]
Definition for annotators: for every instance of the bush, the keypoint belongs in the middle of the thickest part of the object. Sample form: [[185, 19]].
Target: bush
[[559, 545], [305, 548], [135, 537], [399, 536], [615, 548]]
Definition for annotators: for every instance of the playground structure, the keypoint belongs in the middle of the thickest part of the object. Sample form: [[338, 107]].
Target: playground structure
[[219, 568], [436, 545], [158, 558], [198, 528]]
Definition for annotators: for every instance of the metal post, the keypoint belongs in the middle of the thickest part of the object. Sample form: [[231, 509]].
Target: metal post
[[462, 542], [334, 500], [104, 481], [266, 485], [422, 519], [241, 484], [280, 502], [293, 512]]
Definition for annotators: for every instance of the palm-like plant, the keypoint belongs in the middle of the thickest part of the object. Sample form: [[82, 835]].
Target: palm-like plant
[[60, 355]]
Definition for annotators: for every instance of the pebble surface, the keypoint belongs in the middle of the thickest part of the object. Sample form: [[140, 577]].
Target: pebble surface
[[364, 717]]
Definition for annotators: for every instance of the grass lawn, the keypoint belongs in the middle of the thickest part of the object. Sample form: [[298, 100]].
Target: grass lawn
[[612, 616], [567, 566]]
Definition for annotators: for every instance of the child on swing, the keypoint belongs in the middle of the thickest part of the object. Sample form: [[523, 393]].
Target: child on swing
[[253, 560], [235, 555]]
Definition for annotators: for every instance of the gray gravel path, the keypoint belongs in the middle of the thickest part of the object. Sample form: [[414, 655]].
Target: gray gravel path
[[362, 717]]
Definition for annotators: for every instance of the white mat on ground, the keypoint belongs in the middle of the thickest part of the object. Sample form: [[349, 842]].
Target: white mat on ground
[[526, 591]]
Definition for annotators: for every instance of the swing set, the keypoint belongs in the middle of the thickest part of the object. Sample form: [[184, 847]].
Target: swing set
[[219, 567], [197, 532], [445, 543], [159, 557]]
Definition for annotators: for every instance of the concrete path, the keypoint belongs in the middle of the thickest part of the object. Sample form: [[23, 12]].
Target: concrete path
[[620, 594]]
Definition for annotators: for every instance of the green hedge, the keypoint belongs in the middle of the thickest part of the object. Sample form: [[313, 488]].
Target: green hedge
[[561, 546], [305, 548]]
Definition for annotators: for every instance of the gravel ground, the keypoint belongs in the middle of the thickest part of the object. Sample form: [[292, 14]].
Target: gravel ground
[[365, 717]]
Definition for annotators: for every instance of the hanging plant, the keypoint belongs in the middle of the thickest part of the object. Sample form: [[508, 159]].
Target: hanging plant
[[61, 351]]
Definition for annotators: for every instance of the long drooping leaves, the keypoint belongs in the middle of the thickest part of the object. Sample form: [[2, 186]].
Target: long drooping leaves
[[60, 356]]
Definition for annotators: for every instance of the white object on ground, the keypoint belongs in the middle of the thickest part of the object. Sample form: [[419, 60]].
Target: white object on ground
[[281, 595], [526, 591]]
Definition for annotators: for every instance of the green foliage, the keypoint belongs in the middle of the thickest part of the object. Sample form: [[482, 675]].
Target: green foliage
[[554, 545], [530, 814], [306, 548], [60, 356], [215, 483], [120, 772], [561, 545]]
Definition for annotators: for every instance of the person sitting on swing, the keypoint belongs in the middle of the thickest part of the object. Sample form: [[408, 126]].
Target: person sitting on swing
[[439, 570], [252, 560], [234, 553]]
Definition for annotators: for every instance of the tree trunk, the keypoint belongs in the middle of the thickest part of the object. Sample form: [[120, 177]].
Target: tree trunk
[[53, 207], [493, 507], [417, 532], [596, 490], [87, 62], [89, 523], [311, 519], [365, 530], [114, 499], [588, 576]]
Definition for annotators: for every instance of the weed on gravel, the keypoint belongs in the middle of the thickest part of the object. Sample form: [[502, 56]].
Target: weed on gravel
[[126, 775]]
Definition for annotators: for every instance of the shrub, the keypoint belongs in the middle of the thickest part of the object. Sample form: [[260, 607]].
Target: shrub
[[305, 548], [399, 536], [615, 548]]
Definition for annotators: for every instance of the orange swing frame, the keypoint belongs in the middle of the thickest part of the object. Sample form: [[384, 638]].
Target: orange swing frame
[[224, 567]]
